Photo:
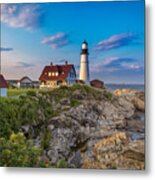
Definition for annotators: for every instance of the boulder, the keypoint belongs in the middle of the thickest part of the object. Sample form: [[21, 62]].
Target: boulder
[[135, 97], [139, 104]]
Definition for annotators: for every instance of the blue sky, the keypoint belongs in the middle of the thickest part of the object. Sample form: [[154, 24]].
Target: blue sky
[[33, 35]]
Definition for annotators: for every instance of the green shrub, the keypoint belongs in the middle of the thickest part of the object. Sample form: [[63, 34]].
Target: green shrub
[[19, 152], [10, 120], [61, 164], [28, 111], [31, 93], [109, 95], [75, 103]]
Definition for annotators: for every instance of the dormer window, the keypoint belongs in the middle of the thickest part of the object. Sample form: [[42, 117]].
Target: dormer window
[[49, 73]]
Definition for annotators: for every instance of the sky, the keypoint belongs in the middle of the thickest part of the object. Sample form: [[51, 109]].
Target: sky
[[34, 35]]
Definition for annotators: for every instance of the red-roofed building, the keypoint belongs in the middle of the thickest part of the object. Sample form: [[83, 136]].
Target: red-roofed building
[[3, 86], [97, 83], [56, 75]]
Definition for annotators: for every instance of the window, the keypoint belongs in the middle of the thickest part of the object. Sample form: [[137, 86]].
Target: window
[[53, 73], [56, 73], [49, 73]]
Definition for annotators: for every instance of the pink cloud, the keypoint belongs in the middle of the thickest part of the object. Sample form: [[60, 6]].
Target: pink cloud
[[116, 41], [112, 64], [56, 41]]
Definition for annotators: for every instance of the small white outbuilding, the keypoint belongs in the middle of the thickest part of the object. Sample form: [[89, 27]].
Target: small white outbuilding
[[3, 86]]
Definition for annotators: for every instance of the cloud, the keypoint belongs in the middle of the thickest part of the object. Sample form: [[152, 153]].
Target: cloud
[[5, 49], [58, 40], [116, 41], [27, 16], [113, 64], [24, 65], [62, 60]]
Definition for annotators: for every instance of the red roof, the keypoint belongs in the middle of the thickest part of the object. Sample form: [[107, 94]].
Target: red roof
[[63, 71], [97, 83], [3, 83]]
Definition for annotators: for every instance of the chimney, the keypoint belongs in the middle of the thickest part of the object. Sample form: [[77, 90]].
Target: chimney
[[66, 62], [51, 63]]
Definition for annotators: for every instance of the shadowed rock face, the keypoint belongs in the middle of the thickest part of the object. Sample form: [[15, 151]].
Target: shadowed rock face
[[93, 128]]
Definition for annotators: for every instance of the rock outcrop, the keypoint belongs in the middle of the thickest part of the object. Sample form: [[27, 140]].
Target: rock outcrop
[[136, 97], [117, 152], [94, 128]]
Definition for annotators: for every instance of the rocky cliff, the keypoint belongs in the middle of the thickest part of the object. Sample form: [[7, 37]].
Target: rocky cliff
[[95, 128]]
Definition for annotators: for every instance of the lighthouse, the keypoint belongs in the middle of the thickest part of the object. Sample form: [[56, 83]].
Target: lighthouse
[[84, 63]]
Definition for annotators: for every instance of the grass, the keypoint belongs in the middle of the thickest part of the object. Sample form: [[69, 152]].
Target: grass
[[75, 103], [109, 95], [18, 92], [58, 93]]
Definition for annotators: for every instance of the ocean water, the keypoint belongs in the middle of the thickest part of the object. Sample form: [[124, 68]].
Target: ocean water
[[113, 87]]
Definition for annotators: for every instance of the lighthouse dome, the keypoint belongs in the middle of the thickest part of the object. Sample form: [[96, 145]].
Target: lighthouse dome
[[84, 45]]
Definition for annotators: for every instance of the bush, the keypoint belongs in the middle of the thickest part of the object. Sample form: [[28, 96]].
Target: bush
[[25, 110], [28, 111], [75, 103], [109, 95], [31, 93], [19, 152], [10, 120], [61, 164]]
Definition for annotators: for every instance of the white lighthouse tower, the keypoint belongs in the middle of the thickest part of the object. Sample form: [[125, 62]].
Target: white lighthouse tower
[[84, 64]]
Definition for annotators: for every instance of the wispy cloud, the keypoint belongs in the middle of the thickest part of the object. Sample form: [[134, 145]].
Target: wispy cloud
[[5, 49], [27, 16], [58, 40], [24, 65], [116, 41], [113, 64]]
